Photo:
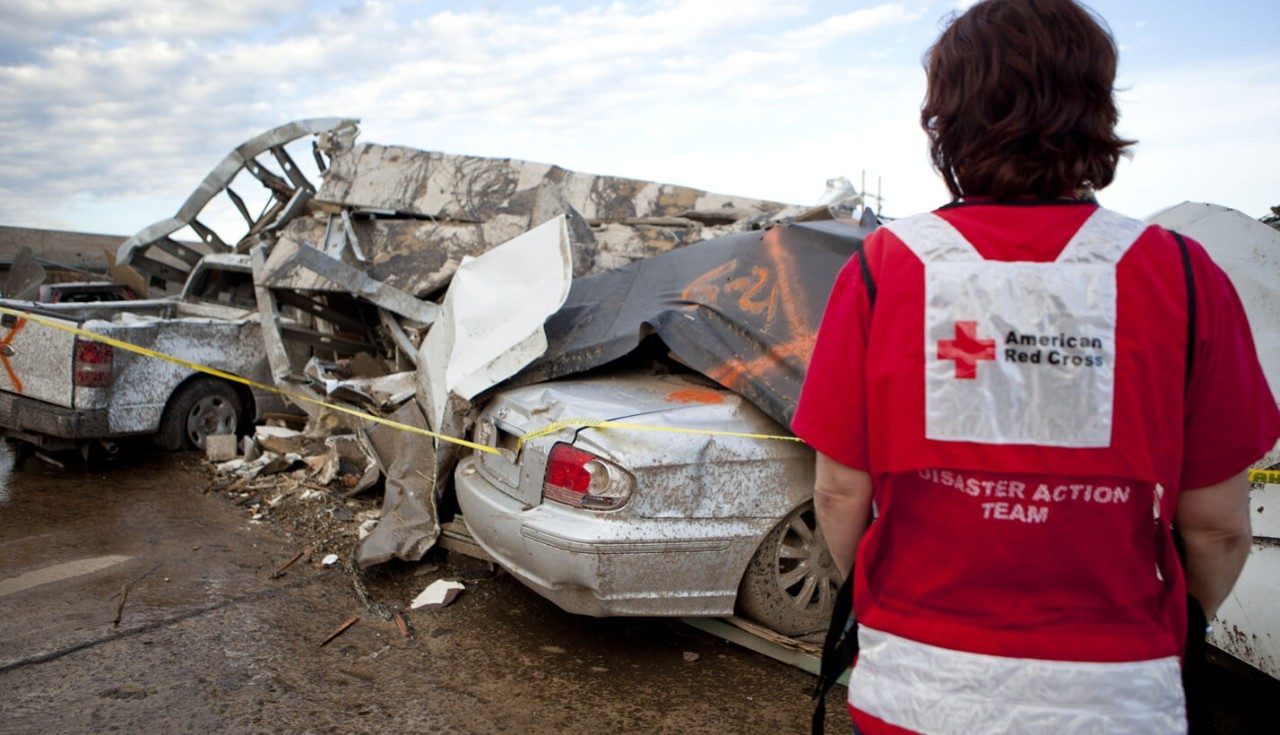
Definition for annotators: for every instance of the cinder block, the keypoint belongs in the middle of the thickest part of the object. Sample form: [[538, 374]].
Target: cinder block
[[220, 447]]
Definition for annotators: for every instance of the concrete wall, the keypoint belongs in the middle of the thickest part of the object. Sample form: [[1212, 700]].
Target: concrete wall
[[79, 249]]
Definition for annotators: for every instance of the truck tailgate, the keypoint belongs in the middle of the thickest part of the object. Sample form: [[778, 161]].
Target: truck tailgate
[[37, 361]]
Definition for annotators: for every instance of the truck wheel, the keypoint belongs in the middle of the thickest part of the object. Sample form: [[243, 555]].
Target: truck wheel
[[791, 583], [199, 408]]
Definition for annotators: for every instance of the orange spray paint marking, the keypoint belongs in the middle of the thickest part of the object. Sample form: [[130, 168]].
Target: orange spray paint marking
[[696, 395], [706, 287], [752, 288], [4, 359], [793, 300]]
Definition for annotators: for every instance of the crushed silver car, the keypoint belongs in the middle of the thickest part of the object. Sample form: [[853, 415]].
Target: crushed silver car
[[605, 521]]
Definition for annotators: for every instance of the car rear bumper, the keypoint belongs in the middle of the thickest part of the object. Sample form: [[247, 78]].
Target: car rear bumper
[[33, 420], [607, 564]]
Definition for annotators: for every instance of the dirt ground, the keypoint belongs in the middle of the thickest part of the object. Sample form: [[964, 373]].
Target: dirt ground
[[210, 640]]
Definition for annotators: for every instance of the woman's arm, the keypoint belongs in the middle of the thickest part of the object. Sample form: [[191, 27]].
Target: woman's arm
[[1216, 533], [842, 501]]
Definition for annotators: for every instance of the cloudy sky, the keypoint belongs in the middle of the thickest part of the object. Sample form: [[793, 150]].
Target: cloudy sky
[[113, 110]]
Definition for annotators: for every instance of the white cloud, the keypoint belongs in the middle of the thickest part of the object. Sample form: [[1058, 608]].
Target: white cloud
[[121, 106], [1207, 132], [838, 27], [117, 109]]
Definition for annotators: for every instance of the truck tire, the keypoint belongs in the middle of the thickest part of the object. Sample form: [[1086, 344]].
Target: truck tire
[[199, 408], [791, 583]]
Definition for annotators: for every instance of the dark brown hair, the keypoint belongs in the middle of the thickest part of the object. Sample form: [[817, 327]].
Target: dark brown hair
[[1019, 100]]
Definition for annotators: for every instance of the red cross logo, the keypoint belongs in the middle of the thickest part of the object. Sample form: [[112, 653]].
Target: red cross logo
[[966, 349]]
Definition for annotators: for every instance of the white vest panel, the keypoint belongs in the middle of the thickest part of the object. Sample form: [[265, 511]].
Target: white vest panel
[[1020, 352]]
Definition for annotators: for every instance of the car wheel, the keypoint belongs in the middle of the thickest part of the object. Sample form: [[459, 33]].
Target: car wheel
[[791, 583], [198, 409]]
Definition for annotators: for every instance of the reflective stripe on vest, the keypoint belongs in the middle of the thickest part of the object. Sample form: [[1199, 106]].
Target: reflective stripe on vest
[[1020, 352], [929, 689]]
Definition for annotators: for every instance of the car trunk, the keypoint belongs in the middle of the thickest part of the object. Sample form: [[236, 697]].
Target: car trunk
[[517, 471]]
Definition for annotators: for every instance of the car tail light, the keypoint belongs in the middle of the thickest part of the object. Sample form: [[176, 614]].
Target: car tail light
[[583, 480], [92, 364]]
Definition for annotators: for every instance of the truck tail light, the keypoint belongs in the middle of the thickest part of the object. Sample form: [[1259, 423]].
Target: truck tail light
[[581, 479], [92, 364]]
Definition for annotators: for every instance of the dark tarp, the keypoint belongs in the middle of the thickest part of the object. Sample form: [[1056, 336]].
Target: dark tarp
[[742, 309]]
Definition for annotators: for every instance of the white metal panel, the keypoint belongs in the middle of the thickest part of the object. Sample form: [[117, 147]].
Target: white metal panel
[[1248, 623], [40, 365], [1249, 252], [491, 323], [1264, 511]]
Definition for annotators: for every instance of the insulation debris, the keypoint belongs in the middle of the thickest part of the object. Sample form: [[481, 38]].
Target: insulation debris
[[439, 593]]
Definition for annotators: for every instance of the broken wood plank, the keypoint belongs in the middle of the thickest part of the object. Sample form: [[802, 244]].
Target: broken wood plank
[[778, 647], [401, 624], [279, 572], [124, 594], [340, 630], [456, 537]]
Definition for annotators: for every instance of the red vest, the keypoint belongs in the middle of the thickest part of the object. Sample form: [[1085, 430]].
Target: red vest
[[1026, 449], [1147, 354]]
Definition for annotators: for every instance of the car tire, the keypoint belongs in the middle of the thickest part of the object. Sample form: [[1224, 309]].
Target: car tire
[[199, 408], [791, 583]]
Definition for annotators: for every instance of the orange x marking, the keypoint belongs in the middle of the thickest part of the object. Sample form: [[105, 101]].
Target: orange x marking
[[4, 358]]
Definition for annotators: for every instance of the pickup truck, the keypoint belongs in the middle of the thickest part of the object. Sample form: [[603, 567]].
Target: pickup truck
[[84, 292], [59, 391]]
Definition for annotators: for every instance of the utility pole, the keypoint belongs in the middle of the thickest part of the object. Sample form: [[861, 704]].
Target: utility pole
[[879, 189]]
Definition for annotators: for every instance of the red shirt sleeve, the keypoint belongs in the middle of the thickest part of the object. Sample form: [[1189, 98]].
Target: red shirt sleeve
[[831, 415], [1231, 415]]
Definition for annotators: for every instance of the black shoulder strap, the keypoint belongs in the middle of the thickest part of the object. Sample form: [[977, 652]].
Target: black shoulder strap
[[1191, 300], [840, 647], [860, 253], [1195, 666], [838, 652]]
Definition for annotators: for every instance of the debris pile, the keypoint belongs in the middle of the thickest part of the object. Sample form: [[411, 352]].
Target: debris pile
[[306, 482], [353, 274], [405, 284]]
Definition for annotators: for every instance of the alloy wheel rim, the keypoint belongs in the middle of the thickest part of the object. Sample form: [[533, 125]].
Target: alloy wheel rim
[[806, 574]]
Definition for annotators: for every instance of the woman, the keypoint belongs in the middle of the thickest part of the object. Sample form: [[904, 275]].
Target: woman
[[1031, 389]]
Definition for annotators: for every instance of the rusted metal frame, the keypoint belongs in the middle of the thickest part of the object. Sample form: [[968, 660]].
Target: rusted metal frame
[[349, 229], [221, 176], [333, 342], [240, 205], [321, 164], [315, 308], [290, 168], [278, 187], [209, 237], [270, 215], [155, 269], [292, 208], [185, 253], [340, 235], [362, 285], [273, 341], [399, 337]]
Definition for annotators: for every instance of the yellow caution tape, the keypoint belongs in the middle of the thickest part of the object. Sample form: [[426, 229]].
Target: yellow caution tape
[[1270, 477], [1265, 477], [197, 367], [601, 424], [130, 347]]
